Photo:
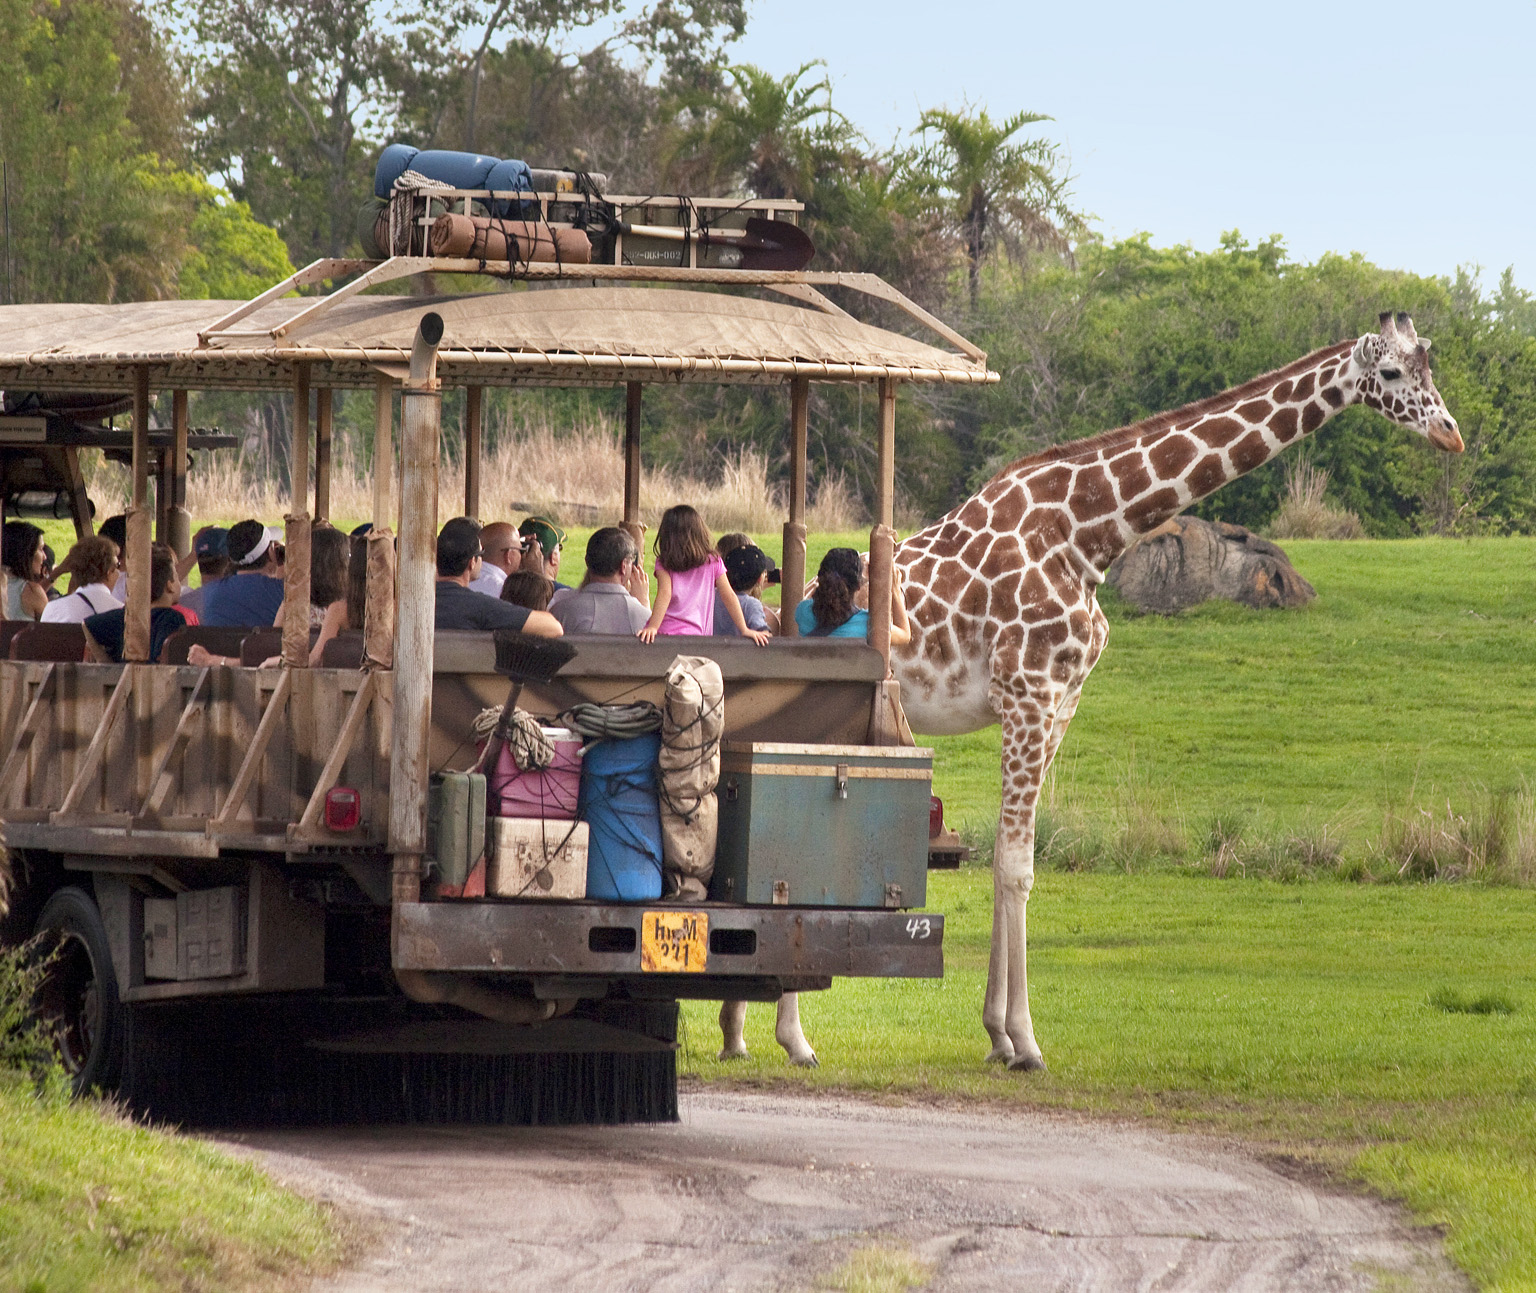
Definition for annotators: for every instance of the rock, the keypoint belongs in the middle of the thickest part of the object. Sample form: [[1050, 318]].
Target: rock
[[1186, 561]]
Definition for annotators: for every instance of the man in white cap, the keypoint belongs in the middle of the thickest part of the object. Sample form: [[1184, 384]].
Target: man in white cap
[[250, 596]]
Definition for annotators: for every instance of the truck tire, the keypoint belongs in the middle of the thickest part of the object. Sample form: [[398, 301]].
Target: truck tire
[[79, 996]]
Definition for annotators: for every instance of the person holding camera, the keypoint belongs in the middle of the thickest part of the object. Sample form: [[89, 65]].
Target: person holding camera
[[252, 595]]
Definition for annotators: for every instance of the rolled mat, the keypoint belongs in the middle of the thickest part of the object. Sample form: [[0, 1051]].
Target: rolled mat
[[484, 238]]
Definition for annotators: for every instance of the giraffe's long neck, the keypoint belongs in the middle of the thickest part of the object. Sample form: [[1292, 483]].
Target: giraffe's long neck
[[1131, 481]]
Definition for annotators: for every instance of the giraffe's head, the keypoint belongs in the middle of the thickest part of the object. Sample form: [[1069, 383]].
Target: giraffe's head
[[1393, 377]]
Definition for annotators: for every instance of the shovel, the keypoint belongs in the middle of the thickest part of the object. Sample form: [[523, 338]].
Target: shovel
[[763, 244]]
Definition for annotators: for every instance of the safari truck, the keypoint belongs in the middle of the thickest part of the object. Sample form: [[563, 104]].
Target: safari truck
[[262, 898]]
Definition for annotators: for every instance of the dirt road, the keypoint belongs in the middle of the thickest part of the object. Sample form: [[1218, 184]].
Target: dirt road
[[768, 1192]]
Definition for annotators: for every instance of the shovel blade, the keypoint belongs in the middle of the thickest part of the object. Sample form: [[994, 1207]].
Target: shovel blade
[[775, 244]]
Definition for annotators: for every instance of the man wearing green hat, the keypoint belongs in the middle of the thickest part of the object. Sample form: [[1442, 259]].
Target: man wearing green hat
[[542, 542]]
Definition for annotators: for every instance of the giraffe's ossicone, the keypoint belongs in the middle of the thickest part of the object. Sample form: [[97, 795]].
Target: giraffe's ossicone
[[1002, 591]]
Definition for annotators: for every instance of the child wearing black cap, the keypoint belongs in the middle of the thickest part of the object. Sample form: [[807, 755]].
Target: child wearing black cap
[[750, 571]]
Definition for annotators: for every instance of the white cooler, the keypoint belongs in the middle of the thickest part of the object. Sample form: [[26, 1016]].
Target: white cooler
[[534, 857]]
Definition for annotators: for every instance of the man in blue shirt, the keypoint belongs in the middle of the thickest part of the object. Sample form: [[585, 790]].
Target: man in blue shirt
[[250, 597]]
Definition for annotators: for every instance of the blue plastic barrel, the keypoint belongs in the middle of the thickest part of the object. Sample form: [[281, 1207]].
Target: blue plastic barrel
[[619, 804], [394, 161]]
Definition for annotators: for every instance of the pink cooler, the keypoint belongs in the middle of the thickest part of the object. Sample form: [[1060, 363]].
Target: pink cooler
[[551, 793]]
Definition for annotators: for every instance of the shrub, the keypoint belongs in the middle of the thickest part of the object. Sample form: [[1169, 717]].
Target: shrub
[[1306, 514]]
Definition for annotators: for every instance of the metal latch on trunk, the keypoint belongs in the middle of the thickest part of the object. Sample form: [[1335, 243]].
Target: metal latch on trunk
[[842, 781]]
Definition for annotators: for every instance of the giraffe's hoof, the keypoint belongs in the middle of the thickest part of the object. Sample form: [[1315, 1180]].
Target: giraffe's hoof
[[1026, 1064], [734, 1053], [1002, 1053], [806, 1061]]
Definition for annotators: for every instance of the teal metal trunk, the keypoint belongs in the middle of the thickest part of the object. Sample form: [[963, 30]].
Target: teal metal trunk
[[823, 825]]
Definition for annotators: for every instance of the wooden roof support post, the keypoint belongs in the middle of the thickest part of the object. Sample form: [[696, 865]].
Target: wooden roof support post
[[882, 539], [792, 579], [136, 622], [411, 725], [178, 529], [474, 426], [633, 394], [379, 599], [296, 531], [325, 409]]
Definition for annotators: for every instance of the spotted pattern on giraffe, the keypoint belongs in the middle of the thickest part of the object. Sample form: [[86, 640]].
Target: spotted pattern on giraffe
[[1283, 424], [1172, 456]]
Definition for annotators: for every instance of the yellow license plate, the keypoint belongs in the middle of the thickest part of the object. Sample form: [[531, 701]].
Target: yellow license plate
[[674, 942]]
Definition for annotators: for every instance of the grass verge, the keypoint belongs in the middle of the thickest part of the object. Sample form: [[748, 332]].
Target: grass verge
[[1387, 1033], [89, 1200]]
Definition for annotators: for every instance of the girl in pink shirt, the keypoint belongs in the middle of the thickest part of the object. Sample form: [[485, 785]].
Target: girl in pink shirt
[[689, 573]]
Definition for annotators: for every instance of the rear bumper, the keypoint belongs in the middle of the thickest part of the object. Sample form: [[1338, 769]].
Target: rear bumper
[[569, 947]]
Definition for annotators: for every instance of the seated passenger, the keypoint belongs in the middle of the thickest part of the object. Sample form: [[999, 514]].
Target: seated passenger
[[603, 603], [543, 542], [527, 588], [832, 611], [459, 606], [210, 546], [115, 527], [503, 549], [750, 571], [689, 577], [94, 564], [104, 632], [329, 558], [252, 596], [26, 596]]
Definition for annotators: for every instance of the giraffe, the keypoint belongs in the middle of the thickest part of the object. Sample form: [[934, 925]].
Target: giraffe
[[1001, 592]]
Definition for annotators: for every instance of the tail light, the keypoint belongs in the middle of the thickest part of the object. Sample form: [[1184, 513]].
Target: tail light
[[935, 817], [343, 809]]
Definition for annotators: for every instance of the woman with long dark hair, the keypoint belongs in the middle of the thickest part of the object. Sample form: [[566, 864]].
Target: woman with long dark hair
[[832, 609], [26, 595]]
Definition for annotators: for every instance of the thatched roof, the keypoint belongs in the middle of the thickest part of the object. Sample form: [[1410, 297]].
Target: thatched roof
[[565, 335]]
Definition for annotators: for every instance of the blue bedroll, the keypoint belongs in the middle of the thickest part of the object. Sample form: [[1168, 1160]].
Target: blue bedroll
[[457, 170], [394, 161], [509, 177], [619, 804]]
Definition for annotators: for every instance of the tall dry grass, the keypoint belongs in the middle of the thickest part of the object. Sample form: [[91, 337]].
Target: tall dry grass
[[574, 476], [1305, 512]]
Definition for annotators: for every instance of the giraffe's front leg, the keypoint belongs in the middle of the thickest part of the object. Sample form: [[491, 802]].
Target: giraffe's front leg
[[1005, 1014]]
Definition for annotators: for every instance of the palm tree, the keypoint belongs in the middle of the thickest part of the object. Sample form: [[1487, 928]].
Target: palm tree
[[990, 188], [767, 135]]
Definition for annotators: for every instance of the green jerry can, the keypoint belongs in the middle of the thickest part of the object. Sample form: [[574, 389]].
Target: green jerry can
[[823, 825], [456, 824]]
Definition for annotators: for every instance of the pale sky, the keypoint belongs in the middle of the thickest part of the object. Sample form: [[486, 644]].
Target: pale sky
[[1405, 131]]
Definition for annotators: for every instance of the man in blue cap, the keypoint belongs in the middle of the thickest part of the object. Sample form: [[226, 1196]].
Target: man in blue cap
[[211, 544]]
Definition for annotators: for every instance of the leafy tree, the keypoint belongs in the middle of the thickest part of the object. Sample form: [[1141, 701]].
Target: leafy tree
[[85, 215], [231, 255], [295, 94], [994, 189]]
